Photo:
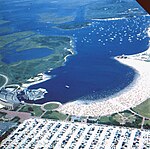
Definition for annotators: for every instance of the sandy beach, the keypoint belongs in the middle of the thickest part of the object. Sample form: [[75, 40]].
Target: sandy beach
[[134, 94], [137, 92], [36, 81]]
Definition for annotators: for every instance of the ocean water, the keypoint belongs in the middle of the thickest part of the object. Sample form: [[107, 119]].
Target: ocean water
[[92, 73]]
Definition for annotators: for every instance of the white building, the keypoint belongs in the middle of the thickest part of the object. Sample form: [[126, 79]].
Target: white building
[[47, 134], [8, 98]]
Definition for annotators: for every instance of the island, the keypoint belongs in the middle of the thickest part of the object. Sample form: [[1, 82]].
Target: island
[[73, 25]]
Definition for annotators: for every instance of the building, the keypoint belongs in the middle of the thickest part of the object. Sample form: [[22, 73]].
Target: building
[[8, 98], [48, 134]]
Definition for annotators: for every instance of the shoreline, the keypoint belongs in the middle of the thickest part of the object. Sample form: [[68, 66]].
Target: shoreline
[[134, 94], [114, 18], [137, 92], [72, 53], [71, 50], [45, 77]]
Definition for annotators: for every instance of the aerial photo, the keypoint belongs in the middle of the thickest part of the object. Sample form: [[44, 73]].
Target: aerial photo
[[74, 74]]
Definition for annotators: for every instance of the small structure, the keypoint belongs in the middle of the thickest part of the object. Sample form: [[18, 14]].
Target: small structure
[[75, 118]]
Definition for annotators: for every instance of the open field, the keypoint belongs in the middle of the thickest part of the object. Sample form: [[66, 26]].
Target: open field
[[34, 110], [51, 106], [147, 124], [125, 118], [143, 109], [54, 115]]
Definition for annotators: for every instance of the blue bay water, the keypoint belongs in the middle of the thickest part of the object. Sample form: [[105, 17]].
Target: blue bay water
[[92, 73]]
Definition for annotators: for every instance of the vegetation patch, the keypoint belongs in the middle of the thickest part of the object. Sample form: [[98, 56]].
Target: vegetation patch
[[124, 118], [143, 109], [54, 115], [34, 110], [2, 81], [17, 43], [55, 18], [51, 106], [103, 10], [108, 120], [73, 25], [146, 124]]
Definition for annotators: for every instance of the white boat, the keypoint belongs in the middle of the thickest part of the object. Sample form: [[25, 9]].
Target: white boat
[[67, 86]]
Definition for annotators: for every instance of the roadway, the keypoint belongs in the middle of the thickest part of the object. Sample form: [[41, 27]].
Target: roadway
[[6, 80]]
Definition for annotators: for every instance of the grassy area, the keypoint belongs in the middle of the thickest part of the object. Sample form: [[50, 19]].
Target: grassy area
[[104, 119], [34, 110], [2, 81], [21, 42], [108, 120], [55, 18], [54, 115], [125, 118], [51, 106], [146, 124], [143, 109], [128, 119], [96, 9]]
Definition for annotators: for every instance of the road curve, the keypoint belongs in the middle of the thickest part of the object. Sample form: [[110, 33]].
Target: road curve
[[6, 80]]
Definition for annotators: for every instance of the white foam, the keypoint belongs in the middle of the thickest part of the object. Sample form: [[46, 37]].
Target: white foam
[[108, 19]]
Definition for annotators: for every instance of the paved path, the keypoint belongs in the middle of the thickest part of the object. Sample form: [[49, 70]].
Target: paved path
[[6, 80], [142, 123], [139, 114]]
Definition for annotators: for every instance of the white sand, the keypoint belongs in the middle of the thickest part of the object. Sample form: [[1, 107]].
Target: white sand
[[44, 78], [137, 92]]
